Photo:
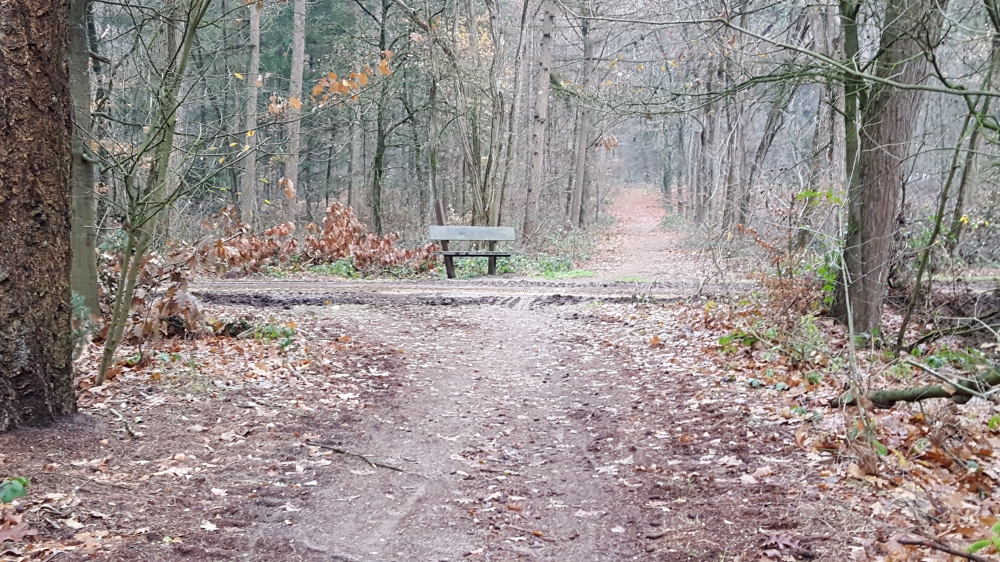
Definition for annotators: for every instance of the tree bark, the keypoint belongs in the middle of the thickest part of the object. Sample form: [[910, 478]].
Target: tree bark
[[84, 270], [539, 122], [295, 93], [248, 178], [36, 347], [887, 123]]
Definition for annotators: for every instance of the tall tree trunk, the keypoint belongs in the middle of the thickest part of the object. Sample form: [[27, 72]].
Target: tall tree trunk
[[706, 178], [381, 129], [378, 160], [576, 219], [512, 122], [538, 126], [355, 167], [493, 185], [36, 370], [432, 145], [732, 175], [84, 269], [295, 104], [248, 179], [886, 126]]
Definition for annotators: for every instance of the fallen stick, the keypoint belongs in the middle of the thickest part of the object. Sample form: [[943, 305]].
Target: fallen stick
[[959, 391], [349, 453], [124, 421], [945, 549]]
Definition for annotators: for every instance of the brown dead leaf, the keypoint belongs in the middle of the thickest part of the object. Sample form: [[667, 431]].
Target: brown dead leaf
[[13, 529]]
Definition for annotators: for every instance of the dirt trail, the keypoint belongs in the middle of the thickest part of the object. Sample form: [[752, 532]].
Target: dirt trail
[[524, 433], [638, 247], [492, 427]]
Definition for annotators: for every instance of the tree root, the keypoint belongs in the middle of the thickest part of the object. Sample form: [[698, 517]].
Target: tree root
[[349, 453], [959, 391]]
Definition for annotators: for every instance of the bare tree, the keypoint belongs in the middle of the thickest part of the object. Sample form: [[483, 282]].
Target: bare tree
[[295, 106], [883, 137], [539, 123], [248, 178]]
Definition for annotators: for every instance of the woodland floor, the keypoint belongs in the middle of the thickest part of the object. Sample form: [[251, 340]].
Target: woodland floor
[[508, 419]]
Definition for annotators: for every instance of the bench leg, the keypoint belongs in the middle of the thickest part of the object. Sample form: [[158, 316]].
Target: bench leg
[[493, 266], [449, 266]]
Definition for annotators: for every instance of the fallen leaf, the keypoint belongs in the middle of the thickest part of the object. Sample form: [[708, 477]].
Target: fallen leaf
[[13, 529]]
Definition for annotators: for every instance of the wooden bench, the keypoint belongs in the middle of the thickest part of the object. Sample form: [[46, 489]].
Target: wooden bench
[[491, 234]]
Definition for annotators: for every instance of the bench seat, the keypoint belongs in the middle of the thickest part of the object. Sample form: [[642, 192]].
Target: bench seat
[[491, 234], [475, 254]]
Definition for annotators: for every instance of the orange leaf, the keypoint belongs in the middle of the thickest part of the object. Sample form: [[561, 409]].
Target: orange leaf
[[295, 102]]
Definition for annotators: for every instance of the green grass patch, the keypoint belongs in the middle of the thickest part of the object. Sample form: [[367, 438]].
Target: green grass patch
[[344, 267], [541, 265]]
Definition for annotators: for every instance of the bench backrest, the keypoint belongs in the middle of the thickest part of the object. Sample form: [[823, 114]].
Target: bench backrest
[[489, 233]]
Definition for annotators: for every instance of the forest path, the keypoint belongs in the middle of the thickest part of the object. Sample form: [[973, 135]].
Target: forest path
[[637, 247], [532, 419]]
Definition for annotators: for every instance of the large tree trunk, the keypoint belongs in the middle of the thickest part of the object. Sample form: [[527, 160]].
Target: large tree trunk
[[36, 370], [248, 178], [539, 122], [887, 123], [84, 270], [295, 104]]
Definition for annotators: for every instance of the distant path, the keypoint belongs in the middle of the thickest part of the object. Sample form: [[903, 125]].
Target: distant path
[[638, 247]]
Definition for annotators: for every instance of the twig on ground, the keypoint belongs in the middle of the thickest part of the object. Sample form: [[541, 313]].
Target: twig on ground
[[349, 453], [943, 548], [124, 421]]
